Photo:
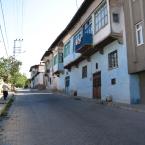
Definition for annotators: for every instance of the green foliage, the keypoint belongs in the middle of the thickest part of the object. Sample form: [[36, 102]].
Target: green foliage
[[20, 80], [27, 83], [10, 71]]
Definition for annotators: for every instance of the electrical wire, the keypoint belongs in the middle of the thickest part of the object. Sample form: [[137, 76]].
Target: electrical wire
[[17, 18], [77, 4], [22, 17], [3, 40], [4, 28], [19, 4]]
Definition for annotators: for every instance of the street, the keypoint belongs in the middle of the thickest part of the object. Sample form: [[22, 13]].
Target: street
[[38, 118]]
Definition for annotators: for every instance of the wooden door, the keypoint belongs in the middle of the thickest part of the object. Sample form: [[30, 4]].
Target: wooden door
[[67, 84], [97, 85]]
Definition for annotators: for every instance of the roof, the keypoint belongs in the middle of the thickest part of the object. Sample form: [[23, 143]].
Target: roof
[[47, 53], [83, 8], [35, 66]]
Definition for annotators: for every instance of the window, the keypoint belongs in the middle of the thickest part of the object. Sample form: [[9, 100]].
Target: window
[[50, 81], [67, 49], [67, 81], [60, 57], [96, 65], [113, 60], [55, 60], [113, 81], [101, 17], [47, 65], [84, 72], [77, 38], [139, 34], [115, 17], [88, 27], [51, 63]]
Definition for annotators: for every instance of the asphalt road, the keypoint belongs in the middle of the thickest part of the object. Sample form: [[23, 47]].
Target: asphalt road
[[48, 119]]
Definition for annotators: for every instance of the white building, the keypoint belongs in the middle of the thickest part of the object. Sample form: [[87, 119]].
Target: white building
[[37, 76], [89, 58]]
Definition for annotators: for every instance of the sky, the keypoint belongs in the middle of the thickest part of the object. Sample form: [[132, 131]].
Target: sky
[[37, 22]]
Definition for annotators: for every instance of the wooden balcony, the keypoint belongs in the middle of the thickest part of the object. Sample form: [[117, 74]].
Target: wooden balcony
[[93, 49], [106, 41], [57, 69], [84, 44]]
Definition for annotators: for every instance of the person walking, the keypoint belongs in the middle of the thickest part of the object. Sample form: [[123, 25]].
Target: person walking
[[5, 88]]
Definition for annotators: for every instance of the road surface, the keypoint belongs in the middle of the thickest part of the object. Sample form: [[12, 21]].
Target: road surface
[[37, 118]]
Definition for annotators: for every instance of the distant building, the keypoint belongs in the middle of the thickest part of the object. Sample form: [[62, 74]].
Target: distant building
[[93, 58], [37, 77]]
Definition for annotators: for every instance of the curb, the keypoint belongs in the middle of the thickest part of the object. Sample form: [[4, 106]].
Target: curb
[[5, 105], [127, 107]]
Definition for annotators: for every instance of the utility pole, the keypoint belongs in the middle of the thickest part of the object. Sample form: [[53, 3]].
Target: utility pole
[[17, 47]]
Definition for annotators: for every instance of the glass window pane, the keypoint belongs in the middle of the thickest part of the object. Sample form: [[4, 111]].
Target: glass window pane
[[101, 17], [113, 59], [139, 34]]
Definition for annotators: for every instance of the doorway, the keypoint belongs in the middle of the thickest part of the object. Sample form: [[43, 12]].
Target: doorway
[[67, 84], [97, 85]]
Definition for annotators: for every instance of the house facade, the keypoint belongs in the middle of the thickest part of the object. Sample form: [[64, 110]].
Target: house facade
[[90, 58], [37, 77], [135, 33]]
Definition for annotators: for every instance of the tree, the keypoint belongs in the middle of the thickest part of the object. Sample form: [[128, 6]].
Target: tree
[[10, 70], [20, 80]]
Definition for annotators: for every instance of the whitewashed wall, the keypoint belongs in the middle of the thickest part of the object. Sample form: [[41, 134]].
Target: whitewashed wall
[[124, 89], [120, 91]]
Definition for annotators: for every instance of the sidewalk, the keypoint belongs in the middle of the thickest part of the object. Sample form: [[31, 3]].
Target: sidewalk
[[129, 107], [4, 102]]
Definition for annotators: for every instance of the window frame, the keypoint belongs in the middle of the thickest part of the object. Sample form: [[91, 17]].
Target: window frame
[[113, 60], [102, 18], [60, 57], [139, 33], [55, 60], [67, 81], [116, 17], [66, 50], [84, 71], [77, 38], [87, 27]]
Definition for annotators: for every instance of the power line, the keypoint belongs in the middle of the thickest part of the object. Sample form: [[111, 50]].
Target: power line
[[19, 17], [4, 23], [4, 41], [77, 4], [22, 17]]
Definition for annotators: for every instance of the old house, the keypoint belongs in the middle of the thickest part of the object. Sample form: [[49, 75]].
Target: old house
[[92, 57]]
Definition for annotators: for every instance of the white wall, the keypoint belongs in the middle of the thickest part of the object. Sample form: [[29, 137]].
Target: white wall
[[102, 34], [120, 91], [39, 80], [61, 82], [117, 27], [124, 89]]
